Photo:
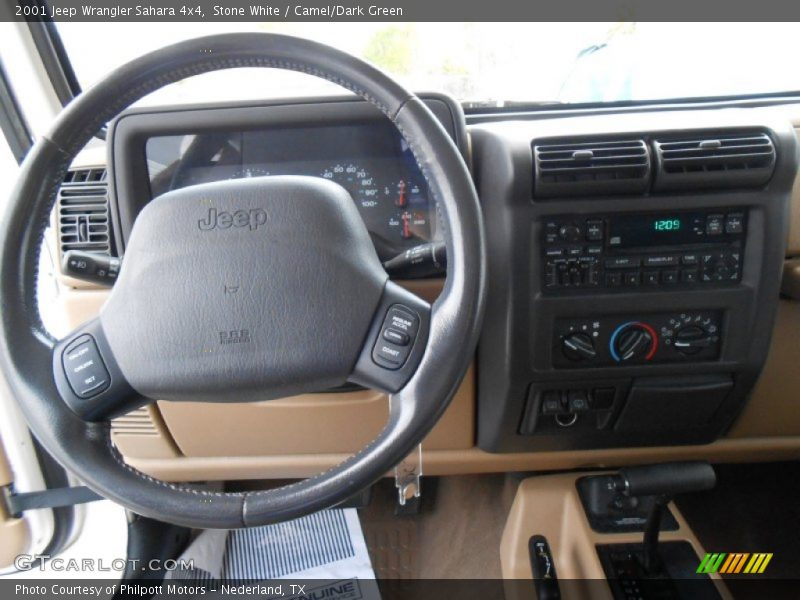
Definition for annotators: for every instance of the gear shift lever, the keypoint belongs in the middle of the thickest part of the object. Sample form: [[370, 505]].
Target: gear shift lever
[[662, 481]]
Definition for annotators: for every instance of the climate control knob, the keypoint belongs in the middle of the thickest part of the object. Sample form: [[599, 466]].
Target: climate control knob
[[578, 346], [633, 341], [692, 339]]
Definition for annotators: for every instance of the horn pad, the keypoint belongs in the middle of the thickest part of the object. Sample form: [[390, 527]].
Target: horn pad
[[244, 290]]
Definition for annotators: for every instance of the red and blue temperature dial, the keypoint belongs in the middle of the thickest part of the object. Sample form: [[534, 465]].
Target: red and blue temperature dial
[[633, 341]]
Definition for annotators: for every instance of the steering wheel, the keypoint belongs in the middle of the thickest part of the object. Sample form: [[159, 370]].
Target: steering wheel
[[240, 291]]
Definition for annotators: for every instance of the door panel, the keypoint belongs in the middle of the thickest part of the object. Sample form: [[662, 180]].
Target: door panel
[[14, 534]]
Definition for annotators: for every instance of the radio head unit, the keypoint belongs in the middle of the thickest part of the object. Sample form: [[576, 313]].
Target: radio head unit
[[673, 229], [647, 250]]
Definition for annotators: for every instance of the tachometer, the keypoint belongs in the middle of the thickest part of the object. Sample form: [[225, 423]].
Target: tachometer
[[246, 172]]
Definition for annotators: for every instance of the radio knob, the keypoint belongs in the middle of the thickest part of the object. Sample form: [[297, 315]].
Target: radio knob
[[692, 339], [633, 341], [578, 346], [569, 233]]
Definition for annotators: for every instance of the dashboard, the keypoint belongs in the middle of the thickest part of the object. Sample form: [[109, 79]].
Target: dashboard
[[635, 262], [344, 141]]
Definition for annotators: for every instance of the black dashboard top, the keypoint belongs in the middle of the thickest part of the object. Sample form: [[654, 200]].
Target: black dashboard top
[[344, 140]]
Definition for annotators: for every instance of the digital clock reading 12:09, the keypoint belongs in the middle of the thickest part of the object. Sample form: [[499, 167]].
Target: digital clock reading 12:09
[[667, 224]]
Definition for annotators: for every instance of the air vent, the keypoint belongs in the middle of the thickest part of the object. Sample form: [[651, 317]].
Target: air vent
[[714, 160], [83, 213], [137, 422], [590, 167]]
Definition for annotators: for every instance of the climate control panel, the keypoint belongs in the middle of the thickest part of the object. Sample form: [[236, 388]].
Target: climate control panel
[[633, 340]]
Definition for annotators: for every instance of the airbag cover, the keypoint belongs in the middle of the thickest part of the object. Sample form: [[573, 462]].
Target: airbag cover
[[244, 290]]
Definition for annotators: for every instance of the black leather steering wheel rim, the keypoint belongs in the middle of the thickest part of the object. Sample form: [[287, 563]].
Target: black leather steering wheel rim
[[26, 348]]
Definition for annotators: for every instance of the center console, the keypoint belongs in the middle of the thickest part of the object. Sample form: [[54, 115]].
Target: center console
[[612, 535], [635, 265]]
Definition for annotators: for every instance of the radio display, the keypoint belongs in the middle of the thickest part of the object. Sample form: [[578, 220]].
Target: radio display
[[626, 231], [667, 224]]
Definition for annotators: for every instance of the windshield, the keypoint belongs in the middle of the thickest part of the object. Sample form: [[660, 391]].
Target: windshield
[[485, 64]]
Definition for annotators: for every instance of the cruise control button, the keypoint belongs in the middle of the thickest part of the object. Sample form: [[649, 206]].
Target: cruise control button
[[402, 319], [396, 337], [398, 331], [390, 355], [84, 368]]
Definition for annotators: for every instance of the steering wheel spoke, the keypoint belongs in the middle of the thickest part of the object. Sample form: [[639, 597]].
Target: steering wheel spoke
[[88, 377], [395, 341]]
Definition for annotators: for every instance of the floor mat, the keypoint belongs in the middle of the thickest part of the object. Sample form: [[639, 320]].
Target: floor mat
[[324, 546]]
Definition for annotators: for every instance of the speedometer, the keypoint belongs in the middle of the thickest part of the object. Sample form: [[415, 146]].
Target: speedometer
[[356, 180]]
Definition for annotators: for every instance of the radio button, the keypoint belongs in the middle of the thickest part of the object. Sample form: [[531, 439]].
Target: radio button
[[650, 277], [613, 279], [574, 251], [661, 261], [734, 223], [669, 276], [689, 275], [690, 259], [714, 225], [554, 252], [632, 279], [570, 233], [594, 231], [623, 262], [594, 250]]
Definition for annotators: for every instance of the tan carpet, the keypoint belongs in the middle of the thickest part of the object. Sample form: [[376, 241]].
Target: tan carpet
[[458, 536]]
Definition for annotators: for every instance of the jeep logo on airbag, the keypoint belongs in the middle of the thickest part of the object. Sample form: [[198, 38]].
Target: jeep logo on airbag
[[252, 219]]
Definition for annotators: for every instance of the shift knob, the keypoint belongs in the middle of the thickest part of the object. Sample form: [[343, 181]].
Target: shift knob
[[667, 479]]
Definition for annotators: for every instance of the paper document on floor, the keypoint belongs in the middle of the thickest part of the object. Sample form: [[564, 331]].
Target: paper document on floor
[[325, 552]]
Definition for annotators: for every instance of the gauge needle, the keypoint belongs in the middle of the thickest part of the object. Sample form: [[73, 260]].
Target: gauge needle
[[406, 230], [401, 189]]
